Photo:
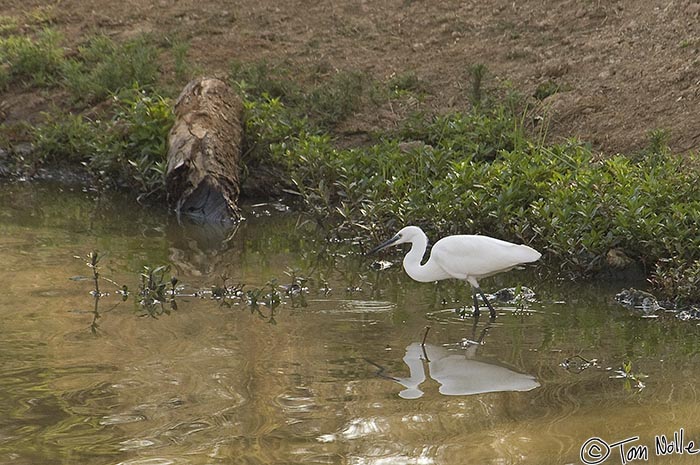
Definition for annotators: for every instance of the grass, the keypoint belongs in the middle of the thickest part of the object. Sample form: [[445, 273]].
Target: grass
[[98, 69], [8, 25], [182, 66], [326, 104], [336, 98], [122, 144], [546, 89], [103, 67], [31, 62], [477, 73], [407, 82]]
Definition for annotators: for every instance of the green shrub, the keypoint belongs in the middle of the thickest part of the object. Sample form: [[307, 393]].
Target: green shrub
[[128, 150], [478, 173], [64, 138], [481, 134], [144, 121]]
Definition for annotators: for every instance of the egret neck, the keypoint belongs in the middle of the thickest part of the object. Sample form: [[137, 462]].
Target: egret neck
[[427, 273]]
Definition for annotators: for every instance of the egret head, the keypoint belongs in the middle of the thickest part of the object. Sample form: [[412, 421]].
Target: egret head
[[407, 234]]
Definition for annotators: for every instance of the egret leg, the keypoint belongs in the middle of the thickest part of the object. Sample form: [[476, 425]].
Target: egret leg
[[488, 304], [476, 304], [425, 336]]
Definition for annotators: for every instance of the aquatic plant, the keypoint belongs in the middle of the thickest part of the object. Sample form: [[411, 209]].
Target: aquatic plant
[[268, 297], [677, 279], [93, 260], [225, 292], [158, 292], [632, 379], [296, 290], [153, 291]]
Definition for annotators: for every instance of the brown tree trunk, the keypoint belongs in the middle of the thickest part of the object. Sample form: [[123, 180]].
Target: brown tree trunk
[[204, 152]]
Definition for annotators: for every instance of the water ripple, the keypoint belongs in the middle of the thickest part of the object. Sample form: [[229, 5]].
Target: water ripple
[[358, 306], [135, 444], [121, 418], [151, 461]]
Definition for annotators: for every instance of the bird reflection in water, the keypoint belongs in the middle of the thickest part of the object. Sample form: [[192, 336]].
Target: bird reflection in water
[[457, 372]]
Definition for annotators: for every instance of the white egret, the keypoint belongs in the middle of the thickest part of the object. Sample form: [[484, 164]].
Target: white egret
[[465, 257]]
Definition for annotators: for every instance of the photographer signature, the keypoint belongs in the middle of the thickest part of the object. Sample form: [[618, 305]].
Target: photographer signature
[[596, 450]]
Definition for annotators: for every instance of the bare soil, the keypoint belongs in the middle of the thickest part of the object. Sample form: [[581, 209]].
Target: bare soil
[[623, 67]]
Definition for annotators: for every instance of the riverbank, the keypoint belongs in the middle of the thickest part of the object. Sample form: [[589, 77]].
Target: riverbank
[[490, 163]]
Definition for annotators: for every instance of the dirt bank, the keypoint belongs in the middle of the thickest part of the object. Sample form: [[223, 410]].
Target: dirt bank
[[623, 67]]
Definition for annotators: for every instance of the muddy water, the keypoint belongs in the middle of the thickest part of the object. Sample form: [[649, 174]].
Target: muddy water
[[336, 374]]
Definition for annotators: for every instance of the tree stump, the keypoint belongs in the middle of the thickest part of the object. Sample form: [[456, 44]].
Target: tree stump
[[204, 152]]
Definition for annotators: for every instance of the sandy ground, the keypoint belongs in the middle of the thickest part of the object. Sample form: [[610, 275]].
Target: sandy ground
[[623, 67]]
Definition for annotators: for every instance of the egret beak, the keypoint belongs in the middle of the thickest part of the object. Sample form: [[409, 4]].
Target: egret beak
[[384, 245]]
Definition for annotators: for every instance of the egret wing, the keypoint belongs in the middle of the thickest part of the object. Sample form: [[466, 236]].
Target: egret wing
[[477, 256]]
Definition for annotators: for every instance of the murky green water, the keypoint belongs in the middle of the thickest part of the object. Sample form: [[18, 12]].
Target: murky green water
[[334, 377]]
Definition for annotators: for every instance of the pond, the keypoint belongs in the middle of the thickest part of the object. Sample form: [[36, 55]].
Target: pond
[[333, 373]]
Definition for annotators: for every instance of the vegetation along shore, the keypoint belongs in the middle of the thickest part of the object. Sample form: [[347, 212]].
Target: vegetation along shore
[[487, 167]]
